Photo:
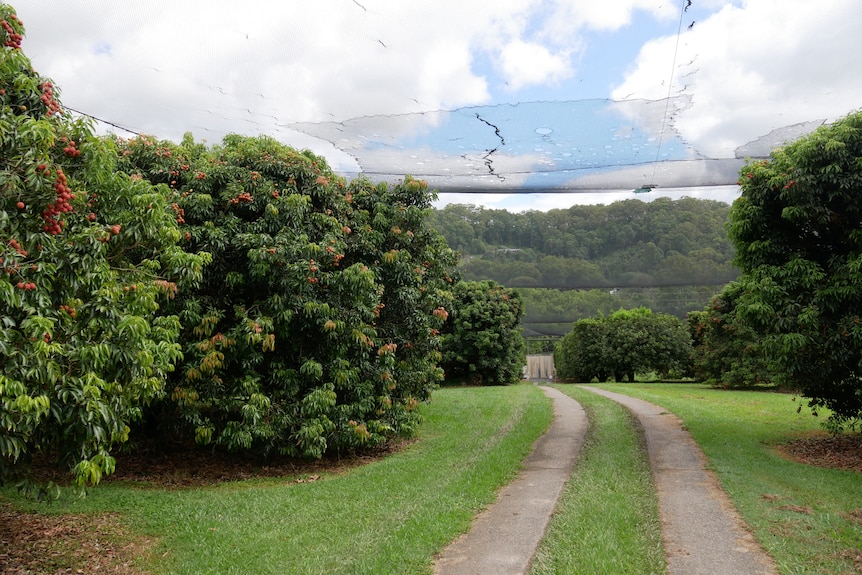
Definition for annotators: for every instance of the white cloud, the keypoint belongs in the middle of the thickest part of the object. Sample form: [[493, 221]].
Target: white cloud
[[217, 66], [527, 64], [756, 67], [240, 67], [574, 15]]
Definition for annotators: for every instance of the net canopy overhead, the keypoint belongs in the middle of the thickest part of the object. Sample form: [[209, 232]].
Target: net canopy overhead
[[524, 96], [547, 147]]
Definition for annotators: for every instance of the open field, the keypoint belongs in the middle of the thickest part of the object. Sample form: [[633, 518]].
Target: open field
[[392, 515]]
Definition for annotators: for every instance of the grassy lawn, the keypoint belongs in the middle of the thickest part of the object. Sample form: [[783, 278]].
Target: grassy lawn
[[808, 518], [393, 515], [607, 518], [390, 516]]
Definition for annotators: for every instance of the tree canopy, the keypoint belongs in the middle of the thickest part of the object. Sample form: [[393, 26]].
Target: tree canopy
[[626, 343], [316, 326], [797, 229], [727, 352], [240, 295], [482, 342]]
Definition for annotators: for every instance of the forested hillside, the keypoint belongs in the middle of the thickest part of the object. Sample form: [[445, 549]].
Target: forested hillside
[[670, 256]]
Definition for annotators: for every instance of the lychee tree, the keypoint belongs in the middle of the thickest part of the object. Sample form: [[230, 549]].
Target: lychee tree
[[87, 255], [726, 352], [642, 342], [797, 230], [315, 328], [584, 353], [415, 267], [482, 342], [623, 344]]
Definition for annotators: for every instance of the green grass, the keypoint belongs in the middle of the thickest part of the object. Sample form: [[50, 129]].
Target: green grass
[[393, 515], [390, 516], [607, 518], [808, 518]]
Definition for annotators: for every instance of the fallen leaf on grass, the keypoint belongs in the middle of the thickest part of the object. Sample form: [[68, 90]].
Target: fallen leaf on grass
[[308, 479]]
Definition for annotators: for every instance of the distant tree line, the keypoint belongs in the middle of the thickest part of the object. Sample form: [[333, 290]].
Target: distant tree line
[[570, 264], [551, 312], [628, 243]]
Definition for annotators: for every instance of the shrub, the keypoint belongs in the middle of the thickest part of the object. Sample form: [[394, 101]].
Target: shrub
[[314, 328], [482, 341], [623, 344]]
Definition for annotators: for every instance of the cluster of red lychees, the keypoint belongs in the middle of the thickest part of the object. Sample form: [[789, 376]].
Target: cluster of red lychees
[[13, 39], [70, 149], [243, 197], [47, 98], [61, 206], [180, 213]]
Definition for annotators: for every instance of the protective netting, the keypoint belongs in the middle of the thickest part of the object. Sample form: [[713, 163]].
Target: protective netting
[[546, 147], [476, 97]]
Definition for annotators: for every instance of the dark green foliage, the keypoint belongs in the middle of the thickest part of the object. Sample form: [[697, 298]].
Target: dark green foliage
[[315, 326], [415, 269], [726, 352], [482, 342], [628, 243], [643, 342], [583, 354], [670, 256], [623, 344], [797, 230]]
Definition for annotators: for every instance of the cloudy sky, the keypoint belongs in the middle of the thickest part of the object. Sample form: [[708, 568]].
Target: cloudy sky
[[588, 97]]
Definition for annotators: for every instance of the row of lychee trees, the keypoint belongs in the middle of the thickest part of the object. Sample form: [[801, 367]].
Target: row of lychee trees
[[241, 295]]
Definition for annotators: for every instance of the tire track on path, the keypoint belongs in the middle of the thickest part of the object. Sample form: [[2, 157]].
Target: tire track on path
[[504, 537], [703, 533]]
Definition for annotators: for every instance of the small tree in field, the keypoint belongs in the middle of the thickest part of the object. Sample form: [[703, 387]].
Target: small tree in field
[[87, 256], [482, 341], [726, 352], [642, 341], [623, 344], [797, 229], [584, 353]]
